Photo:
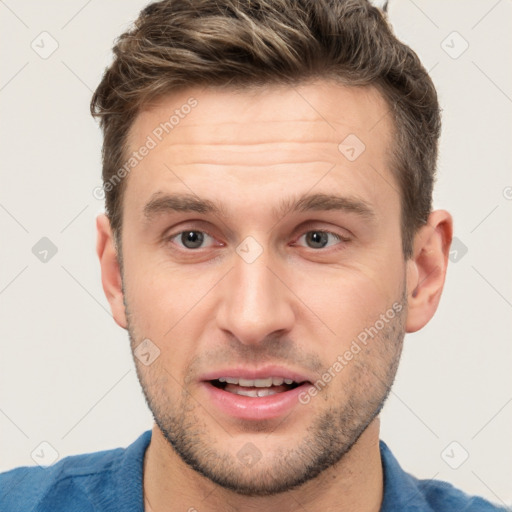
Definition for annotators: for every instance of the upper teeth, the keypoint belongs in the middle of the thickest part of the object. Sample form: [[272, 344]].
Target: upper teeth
[[258, 383]]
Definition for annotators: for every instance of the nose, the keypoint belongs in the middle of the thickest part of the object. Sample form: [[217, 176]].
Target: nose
[[256, 300]]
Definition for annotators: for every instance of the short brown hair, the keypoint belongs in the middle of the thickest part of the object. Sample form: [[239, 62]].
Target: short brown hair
[[176, 44]]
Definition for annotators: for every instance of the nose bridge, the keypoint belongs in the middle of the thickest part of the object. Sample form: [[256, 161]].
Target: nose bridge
[[255, 301]]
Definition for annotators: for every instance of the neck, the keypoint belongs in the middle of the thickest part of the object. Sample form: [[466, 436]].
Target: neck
[[355, 483]]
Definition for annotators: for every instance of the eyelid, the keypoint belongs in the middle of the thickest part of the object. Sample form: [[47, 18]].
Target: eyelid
[[318, 225]]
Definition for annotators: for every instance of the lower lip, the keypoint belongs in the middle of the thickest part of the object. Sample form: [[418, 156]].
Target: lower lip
[[254, 408]]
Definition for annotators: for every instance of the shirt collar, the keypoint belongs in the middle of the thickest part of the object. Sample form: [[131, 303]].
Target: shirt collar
[[129, 482], [401, 491]]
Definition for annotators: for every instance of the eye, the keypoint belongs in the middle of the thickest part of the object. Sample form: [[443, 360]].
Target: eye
[[319, 239], [191, 238]]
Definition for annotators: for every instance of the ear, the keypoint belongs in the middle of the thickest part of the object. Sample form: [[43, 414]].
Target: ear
[[110, 270], [426, 270]]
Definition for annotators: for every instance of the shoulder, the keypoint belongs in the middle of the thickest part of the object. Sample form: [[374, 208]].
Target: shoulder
[[442, 495], [81, 483], [26, 488], [403, 491]]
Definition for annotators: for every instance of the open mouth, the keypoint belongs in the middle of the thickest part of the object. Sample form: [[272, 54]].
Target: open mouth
[[255, 388], [257, 395]]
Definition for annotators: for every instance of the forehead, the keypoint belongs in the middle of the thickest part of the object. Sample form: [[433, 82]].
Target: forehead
[[227, 114], [213, 141]]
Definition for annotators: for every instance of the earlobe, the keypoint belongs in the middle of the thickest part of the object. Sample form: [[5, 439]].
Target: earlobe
[[110, 270], [426, 271]]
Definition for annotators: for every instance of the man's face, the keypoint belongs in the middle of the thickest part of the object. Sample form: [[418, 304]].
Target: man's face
[[259, 290]]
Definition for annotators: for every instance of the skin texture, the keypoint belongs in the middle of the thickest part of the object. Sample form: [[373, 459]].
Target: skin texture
[[299, 304]]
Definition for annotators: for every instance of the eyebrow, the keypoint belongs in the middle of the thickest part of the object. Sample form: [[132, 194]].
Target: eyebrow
[[189, 203]]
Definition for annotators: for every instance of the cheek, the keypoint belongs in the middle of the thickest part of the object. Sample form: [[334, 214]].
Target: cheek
[[164, 305], [156, 292], [346, 300]]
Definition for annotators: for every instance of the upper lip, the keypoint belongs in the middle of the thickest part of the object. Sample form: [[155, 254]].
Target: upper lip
[[240, 372]]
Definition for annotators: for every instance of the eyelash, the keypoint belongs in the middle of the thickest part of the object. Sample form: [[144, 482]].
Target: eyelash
[[339, 237]]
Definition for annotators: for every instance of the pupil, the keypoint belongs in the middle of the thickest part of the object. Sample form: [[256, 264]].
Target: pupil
[[192, 239], [318, 237]]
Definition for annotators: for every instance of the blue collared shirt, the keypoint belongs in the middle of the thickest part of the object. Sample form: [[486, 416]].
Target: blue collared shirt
[[111, 481]]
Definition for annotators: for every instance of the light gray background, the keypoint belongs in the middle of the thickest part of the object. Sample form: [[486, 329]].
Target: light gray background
[[66, 374]]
